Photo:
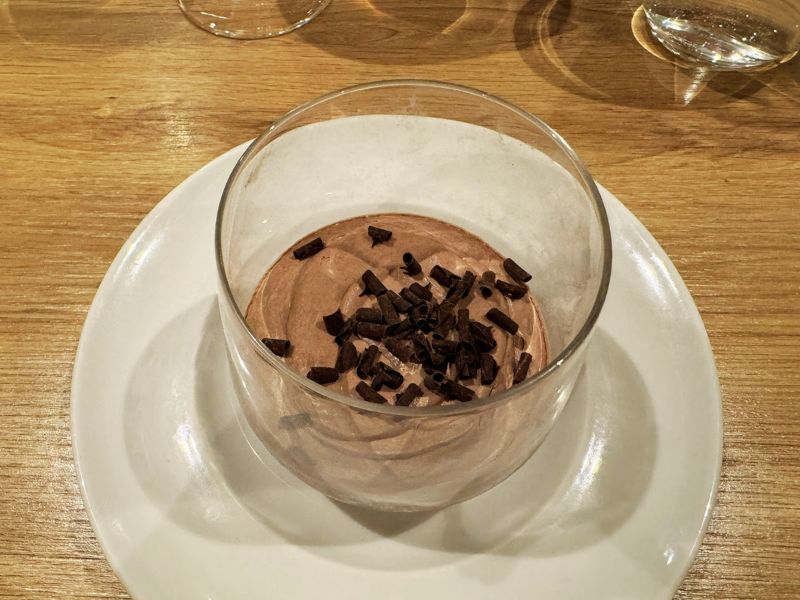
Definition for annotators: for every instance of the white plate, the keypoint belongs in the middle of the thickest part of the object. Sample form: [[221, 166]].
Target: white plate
[[613, 505]]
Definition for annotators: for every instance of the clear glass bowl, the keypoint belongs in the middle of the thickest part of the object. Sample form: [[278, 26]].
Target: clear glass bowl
[[437, 150]]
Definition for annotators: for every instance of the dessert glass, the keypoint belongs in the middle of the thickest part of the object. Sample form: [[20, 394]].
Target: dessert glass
[[438, 150]]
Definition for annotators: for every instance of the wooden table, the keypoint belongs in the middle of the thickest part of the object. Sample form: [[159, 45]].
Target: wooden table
[[106, 105]]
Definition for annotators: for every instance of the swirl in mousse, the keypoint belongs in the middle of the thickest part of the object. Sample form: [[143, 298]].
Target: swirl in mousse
[[400, 309]]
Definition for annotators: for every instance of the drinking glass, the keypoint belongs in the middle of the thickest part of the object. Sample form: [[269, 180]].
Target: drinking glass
[[436, 150], [727, 34], [251, 19]]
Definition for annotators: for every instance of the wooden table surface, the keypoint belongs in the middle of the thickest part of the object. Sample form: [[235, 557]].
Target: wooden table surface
[[106, 105]]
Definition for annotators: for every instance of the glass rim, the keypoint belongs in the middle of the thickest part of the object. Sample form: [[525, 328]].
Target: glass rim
[[439, 410]]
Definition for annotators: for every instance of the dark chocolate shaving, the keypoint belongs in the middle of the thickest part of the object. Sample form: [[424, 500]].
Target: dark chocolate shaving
[[278, 346], [446, 347], [400, 329], [419, 315], [372, 285], [443, 277], [502, 320], [410, 264], [369, 315], [421, 291], [400, 304], [388, 377], [466, 362], [323, 375], [347, 357], [488, 369], [467, 281], [486, 282], [308, 250], [335, 322], [378, 235], [516, 271], [462, 324], [410, 297], [372, 331], [342, 337], [388, 310], [407, 396], [402, 349], [511, 290], [444, 327], [434, 381], [368, 394], [521, 370], [456, 391], [368, 361], [482, 336], [422, 348]]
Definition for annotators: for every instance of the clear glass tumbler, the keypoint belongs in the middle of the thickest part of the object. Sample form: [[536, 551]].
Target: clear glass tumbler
[[251, 19], [437, 150], [727, 34]]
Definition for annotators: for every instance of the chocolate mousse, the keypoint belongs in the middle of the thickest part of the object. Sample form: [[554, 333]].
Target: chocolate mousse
[[400, 309]]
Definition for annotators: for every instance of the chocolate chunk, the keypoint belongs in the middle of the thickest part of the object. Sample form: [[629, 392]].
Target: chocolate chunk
[[378, 235], [387, 309], [410, 297], [372, 285], [322, 375], [516, 271], [410, 264], [486, 282], [521, 370], [388, 377], [502, 320], [401, 305], [488, 369], [421, 291], [407, 396], [370, 315], [511, 290], [443, 277], [308, 250], [368, 361], [446, 347], [434, 382], [368, 394], [372, 331], [456, 391], [482, 336], [335, 322], [277, 346], [462, 324], [444, 327], [400, 329], [347, 357], [402, 349]]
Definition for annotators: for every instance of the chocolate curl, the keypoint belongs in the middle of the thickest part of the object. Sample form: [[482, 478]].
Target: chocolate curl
[[511, 290], [345, 334], [408, 395], [372, 285], [322, 375], [277, 346], [486, 282], [434, 381], [402, 349], [421, 291], [400, 329], [419, 315], [372, 331], [388, 377], [388, 311], [456, 391], [446, 347], [502, 320], [378, 235], [445, 326], [422, 349], [462, 324], [443, 277], [400, 304], [482, 336], [466, 361], [467, 281], [369, 315], [335, 323], [488, 369], [515, 271], [368, 394], [347, 357], [410, 265], [308, 250], [411, 297], [521, 370], [368, 362]]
